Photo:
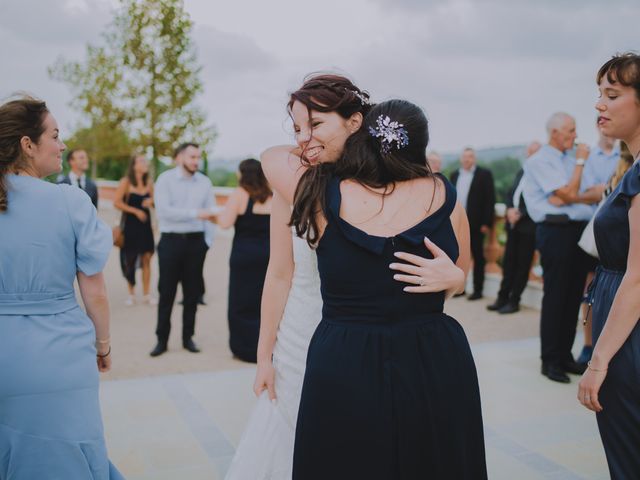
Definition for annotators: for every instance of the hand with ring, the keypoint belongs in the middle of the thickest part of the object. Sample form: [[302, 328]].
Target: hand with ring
[[426, 275], [589, 387]]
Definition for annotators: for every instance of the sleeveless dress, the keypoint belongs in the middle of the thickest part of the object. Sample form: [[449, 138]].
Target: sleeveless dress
[[265, 451], [390, 390], [619, 421], [247, 268], [50, 421], [138, 238]]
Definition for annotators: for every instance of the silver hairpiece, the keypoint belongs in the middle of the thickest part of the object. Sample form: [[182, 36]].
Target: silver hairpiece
[[389, 133], [363, 100]]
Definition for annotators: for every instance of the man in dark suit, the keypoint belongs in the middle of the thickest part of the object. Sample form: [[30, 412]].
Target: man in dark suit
[[477, 195], [79, 164], [521, 244]]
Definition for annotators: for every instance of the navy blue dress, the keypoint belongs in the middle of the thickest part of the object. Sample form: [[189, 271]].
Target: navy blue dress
[[390, 390], [247, 269], [619, 421]]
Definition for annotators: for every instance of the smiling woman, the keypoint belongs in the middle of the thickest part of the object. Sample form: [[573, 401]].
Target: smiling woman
[[51, 349]]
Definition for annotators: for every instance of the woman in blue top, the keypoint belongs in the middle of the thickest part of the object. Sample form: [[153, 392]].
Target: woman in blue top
[[50, 422], [611, 384]]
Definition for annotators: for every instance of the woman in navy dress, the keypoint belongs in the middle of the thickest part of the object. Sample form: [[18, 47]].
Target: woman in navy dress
[[390, 389], [134, 197], [50, 349], [611, 384], [248, 211]]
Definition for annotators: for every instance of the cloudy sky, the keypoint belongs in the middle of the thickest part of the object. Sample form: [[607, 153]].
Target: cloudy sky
[[487, 72]]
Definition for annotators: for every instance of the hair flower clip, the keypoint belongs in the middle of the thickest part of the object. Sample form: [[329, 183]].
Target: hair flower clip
[[363, 100], [389, 133]]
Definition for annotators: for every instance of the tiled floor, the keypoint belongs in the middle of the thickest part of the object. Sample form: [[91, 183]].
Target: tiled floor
[[186, 426]]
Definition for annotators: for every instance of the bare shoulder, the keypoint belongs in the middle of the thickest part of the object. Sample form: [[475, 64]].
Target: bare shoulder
[[283, 167]]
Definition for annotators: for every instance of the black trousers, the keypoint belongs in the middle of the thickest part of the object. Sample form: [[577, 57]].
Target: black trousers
[[565, 267], [479, 262], [516, 263], [181, 258]]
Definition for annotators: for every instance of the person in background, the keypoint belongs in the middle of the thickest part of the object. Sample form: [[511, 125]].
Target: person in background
[[134, 197], [610, 384], [248, 211], [520, 246], [552, 192], [435, 161], [52, 350], [184, 200], [78, 161], [477, 195]]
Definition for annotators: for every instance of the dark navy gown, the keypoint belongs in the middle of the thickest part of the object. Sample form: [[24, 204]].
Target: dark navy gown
[[247, 269], [390, 390], [619, 421]]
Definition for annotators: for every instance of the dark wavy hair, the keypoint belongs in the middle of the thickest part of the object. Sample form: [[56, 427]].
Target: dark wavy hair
[[624, 69], [131, 171], [252, 179], [367, 160], [321, 93], [22, 117]]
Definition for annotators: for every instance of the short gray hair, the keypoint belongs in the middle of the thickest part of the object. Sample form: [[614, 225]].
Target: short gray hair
[[556, 121]]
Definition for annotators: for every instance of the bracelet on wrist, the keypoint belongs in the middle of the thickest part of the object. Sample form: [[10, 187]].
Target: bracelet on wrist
[[595, 369], [104, 355], [103, 342]]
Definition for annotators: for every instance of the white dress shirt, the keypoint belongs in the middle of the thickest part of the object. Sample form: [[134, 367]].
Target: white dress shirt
[[73, 179], [465, 177], [179, 197]]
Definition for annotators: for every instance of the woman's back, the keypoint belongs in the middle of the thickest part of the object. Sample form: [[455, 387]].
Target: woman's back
[[354, 263]]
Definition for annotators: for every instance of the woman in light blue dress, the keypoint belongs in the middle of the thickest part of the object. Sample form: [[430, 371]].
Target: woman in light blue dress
[[50, 349]]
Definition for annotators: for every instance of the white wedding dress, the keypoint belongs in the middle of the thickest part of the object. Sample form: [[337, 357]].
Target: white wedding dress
[[265, 451]]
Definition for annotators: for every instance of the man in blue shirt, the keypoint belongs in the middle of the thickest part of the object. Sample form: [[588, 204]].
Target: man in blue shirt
[[184, 200], [552, 192]]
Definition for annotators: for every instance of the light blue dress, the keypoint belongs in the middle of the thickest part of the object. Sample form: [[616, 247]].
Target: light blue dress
[[50, 421]]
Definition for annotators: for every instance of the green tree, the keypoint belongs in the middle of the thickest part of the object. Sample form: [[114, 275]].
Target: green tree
[[144, 80]]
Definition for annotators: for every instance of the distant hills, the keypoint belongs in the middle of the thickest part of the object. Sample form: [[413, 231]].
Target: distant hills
[[485, 155], [490, 154]]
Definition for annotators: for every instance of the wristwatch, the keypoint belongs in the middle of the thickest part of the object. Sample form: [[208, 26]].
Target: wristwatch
[[580, 162]]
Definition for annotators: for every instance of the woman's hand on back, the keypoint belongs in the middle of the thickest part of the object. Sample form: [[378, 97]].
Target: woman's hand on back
[[427, 275]]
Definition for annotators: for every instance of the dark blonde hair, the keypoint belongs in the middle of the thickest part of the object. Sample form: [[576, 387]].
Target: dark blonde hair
[[22, 117]]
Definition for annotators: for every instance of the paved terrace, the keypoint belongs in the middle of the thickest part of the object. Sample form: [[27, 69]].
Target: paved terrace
[[181, 415]]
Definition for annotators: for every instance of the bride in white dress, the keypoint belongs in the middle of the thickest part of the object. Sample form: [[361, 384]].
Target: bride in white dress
[[265, 451]]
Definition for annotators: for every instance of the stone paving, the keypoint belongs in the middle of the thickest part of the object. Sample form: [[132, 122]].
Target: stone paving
[[181, 415]]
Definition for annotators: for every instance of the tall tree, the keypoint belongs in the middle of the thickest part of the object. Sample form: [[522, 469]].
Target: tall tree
[[144, 79]]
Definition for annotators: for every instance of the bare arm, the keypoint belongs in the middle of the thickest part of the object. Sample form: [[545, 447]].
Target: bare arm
[[623, 316], [94, 296], [283, 168], [227, 218], [119, 198], [275, 293]]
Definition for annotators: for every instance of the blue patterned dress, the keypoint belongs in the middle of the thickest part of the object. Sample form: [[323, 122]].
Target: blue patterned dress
[[50, 421]]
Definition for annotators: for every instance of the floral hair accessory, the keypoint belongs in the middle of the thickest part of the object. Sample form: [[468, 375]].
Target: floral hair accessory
[[363, 100], [389, 133]]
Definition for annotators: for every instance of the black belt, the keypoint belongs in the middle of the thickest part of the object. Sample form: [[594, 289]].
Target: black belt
[[561, 219], [183, 235]]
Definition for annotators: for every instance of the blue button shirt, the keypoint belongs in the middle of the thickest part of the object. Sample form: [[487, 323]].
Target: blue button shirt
[[599, 167], [544, 172], [178, 197]]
